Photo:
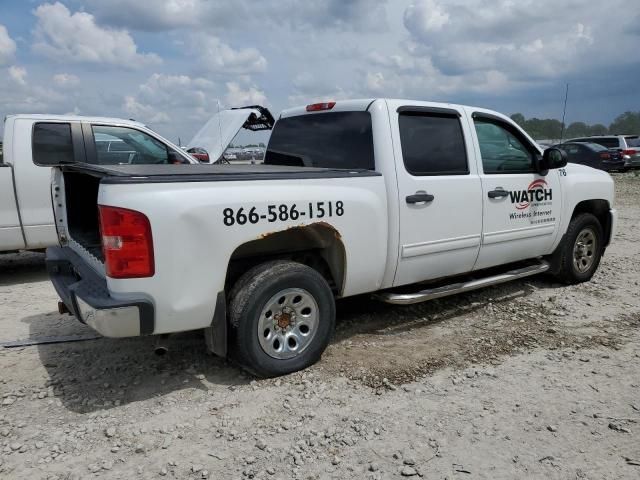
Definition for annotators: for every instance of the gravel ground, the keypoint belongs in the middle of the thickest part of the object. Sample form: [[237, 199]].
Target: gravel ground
[[526, 380]]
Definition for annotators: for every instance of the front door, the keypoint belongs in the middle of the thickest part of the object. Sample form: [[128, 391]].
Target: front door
[[440, 193], [521, 208]]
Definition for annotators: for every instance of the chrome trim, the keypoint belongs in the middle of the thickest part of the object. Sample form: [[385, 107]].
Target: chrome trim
[[445, 291]]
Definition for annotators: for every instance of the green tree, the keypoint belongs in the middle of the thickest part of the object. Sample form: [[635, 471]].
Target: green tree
[[628, 122], [598, 129], [518, 118], [576, 129]]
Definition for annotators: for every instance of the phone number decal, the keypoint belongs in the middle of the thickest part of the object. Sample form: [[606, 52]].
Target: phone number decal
[[282, 213]]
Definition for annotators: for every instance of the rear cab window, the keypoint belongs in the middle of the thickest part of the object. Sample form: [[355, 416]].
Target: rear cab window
[[52, 143], [432, 144], [337, 140]]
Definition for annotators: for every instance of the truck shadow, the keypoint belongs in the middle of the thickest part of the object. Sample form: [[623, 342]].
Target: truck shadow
[[23, 267], [105, 373]]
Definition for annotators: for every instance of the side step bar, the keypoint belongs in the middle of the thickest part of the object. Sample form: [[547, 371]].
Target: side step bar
[[445, 291]]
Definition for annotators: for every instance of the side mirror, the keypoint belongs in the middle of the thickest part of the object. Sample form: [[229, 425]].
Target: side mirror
[[199, 154], [552, 158]]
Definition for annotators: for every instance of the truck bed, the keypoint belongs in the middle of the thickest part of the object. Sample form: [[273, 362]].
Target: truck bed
[[210, 173]]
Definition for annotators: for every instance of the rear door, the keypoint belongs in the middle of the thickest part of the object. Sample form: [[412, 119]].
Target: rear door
[[440, 193], [521, 208]]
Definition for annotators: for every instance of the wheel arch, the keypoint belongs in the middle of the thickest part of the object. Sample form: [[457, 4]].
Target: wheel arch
[[598, 208], [318, 246]]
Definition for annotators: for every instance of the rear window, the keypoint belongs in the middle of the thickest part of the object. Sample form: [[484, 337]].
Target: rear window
[[328, 140], [432, 144], [612, 142], [52, 143], [633, 141]]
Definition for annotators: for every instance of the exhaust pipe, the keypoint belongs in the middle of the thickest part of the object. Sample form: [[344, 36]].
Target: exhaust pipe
[[62, 308], [160, 348]]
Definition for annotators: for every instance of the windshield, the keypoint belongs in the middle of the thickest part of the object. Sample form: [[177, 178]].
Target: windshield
[[329, 140]]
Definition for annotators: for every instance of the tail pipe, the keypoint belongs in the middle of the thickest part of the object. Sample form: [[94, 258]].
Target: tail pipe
[[160, 345]]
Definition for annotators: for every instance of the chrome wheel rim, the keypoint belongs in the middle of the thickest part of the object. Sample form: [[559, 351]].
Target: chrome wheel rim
[[584, 250], [288, 322]]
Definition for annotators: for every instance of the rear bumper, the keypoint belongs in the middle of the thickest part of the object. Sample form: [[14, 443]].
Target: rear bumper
[[631, 161], [85, 294], [614, 165]]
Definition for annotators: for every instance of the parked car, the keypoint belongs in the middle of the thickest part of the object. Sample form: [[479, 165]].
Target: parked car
[[456, 196], [627, 145], [593, 155], [26, 212]]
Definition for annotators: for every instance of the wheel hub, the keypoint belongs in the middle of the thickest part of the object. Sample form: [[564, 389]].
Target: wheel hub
[[285, 318], [584, 250], [288, 323]]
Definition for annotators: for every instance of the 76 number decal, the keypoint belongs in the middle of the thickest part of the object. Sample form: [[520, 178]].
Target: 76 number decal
[[282, 213]]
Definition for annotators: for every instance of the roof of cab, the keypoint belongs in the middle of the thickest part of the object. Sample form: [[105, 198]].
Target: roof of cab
[[74, 118], [340, 106], [364, 104]]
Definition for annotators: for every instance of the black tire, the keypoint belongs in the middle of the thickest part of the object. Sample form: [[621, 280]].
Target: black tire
[[563, 262], [250, 296]]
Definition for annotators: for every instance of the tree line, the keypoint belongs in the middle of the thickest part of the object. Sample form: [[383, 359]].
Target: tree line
[[550, 128]]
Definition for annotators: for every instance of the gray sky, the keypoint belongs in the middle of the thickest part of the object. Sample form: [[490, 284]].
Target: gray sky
[[170, 63]]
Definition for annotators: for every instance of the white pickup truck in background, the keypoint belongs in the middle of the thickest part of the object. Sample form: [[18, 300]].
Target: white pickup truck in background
[[26, 214], [410, 200]]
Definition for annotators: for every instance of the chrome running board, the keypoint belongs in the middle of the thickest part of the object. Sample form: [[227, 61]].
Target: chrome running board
[[445, 291]]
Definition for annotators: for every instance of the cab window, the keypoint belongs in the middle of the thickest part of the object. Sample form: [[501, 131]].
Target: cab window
[[52, 143], [122, 145], [501, 150], [432, 144]]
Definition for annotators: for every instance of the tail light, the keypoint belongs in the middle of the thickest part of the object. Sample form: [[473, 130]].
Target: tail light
[[316, 107], [127, 243], [605, 156], [628, 152]]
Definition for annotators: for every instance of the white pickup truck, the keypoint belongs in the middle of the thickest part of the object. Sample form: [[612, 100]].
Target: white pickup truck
[[26, 216], [410, 200]]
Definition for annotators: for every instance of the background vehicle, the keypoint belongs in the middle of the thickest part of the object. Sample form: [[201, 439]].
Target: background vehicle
[[627, 145], [593, 155], [411, 200], [26, 214]]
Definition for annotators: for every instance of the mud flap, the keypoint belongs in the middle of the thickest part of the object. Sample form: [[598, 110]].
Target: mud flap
[[216, 335]]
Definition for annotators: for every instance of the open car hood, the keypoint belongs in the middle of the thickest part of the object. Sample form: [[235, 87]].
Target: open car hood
[[216, 135]]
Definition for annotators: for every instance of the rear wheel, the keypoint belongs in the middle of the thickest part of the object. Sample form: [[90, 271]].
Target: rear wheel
[[579, 255], [282, 315]]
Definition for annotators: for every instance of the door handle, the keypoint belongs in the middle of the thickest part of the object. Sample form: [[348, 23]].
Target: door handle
[[498, 193], [420, 198]]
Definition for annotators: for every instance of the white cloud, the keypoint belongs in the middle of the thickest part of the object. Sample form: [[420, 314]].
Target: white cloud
[[238, 96], [18, 74], [63, 36], [520, 39], [65, 80], [426, 16], [7, 46], [143, 113], [216, 56]]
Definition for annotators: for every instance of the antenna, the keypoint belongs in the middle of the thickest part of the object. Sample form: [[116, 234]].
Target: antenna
[[564, 111]]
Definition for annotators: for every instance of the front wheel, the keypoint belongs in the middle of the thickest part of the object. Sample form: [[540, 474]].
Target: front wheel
[[282, 315], [578, 257]]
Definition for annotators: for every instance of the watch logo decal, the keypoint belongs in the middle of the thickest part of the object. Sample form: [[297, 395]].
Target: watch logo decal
[[537, 191]]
